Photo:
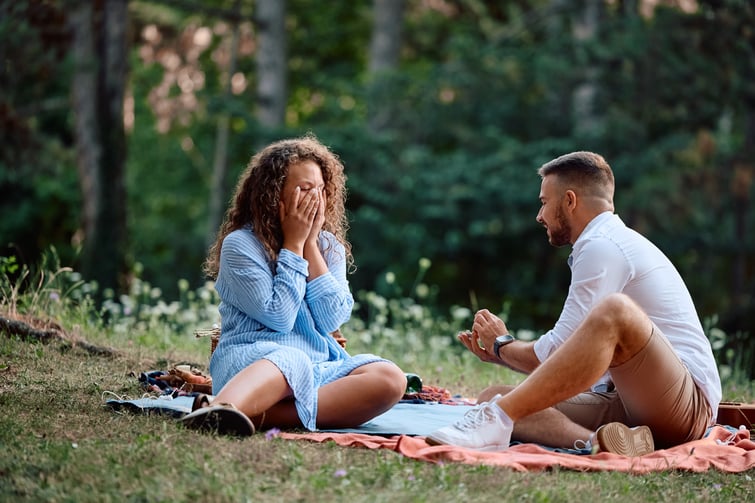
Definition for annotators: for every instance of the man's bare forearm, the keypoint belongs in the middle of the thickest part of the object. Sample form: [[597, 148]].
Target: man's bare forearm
[[519, 356]]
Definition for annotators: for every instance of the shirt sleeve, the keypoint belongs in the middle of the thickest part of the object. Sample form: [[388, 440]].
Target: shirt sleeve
[[599, 268], [249, 283], [328, 296]]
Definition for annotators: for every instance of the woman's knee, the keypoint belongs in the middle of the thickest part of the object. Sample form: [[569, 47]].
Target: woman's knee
[[388, 379], [398, 380]]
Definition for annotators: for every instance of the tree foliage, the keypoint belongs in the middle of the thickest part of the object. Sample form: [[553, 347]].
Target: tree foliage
[[482, 95], [38, 184]]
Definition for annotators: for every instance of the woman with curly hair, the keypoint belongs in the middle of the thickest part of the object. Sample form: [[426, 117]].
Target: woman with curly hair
[[279, 264]]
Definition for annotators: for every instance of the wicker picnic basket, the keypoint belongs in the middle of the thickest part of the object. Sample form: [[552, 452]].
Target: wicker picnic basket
[[214, 335]]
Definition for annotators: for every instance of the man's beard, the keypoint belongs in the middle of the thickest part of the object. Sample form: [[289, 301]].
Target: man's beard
[[561, 235]]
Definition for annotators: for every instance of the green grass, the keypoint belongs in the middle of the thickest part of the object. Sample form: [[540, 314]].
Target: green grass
[[59, 442]]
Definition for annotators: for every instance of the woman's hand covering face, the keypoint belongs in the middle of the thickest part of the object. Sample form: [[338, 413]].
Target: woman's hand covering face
[[302, 206]]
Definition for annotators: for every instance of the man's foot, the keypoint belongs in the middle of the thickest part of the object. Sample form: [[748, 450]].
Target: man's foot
[[223, 419], [481, 428], [621, 439]]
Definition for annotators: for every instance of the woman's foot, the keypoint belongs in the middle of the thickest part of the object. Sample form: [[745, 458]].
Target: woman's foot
[[223, 419]]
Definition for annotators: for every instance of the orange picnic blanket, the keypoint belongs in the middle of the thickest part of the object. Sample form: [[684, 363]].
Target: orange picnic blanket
[[721, 449]]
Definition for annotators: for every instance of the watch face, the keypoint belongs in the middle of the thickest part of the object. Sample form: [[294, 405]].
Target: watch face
[[501, 341]]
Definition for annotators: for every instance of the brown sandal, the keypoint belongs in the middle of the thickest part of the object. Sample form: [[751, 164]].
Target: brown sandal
[[223, 419], [621, 439], [200, 400]]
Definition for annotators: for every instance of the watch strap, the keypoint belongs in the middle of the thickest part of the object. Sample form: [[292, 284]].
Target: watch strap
[[501, 341]]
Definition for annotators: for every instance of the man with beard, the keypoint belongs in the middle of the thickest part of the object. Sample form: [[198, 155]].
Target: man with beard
[[627, 365]]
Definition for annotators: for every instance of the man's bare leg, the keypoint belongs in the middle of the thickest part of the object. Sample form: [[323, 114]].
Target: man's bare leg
[[614, 331], [548, 427]]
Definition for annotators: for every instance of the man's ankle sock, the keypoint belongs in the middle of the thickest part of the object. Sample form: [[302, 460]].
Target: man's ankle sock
[[502, 414]]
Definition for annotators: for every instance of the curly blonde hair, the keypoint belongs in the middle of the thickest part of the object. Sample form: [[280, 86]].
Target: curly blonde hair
[[258, 193]]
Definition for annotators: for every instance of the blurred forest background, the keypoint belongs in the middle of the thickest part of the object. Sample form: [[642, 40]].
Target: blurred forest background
[[125, 124]]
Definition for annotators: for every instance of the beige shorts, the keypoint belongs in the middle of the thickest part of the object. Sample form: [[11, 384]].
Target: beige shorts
[[653, 388]]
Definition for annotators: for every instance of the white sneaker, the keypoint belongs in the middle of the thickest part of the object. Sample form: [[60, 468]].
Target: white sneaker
[[481, 429]]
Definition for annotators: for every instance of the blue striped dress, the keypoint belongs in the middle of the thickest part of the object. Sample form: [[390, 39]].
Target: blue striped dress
[[273, 313]]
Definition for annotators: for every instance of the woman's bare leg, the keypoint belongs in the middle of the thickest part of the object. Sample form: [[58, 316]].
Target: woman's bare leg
[[261, 392], [366, 392], [255, 389]]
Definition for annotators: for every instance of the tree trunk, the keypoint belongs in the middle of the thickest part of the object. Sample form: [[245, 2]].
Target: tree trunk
[[744, 178], [99, 51], [385, 45], [584, 27], [218, 191], [385, 49], [631, 8], [271, 62]]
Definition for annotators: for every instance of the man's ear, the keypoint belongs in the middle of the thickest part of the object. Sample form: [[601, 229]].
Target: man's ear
[[571, 199]]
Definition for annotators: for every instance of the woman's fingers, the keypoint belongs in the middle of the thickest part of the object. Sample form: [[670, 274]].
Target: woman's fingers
[[297, 216], [320, 213], [308, 204], [293, 199]]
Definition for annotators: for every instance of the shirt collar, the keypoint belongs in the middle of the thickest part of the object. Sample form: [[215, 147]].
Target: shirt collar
[[590, 228], [595, 223]]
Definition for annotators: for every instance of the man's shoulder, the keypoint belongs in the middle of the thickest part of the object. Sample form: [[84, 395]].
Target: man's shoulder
[[602, 232], [611, 241], [615, 230], [599, 248]]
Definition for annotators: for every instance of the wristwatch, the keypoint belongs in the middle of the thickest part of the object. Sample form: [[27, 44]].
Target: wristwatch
[[501, 341]]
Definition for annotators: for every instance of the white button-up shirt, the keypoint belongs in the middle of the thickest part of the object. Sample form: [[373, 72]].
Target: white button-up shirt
[[608, 257]]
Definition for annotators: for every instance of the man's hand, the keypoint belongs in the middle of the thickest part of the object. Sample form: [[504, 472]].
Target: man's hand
[[471, 341], [481, 339], [488, 326]]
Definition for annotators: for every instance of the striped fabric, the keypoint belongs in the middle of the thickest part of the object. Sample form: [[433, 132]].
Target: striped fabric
[[280, 317]]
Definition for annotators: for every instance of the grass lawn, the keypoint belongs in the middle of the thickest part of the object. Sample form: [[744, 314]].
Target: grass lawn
[[60, 443]]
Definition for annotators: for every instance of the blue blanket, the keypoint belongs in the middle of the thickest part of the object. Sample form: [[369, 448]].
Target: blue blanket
[[402, 419]]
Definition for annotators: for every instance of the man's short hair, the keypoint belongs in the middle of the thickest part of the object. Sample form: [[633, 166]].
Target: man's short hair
[[587, 173]]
